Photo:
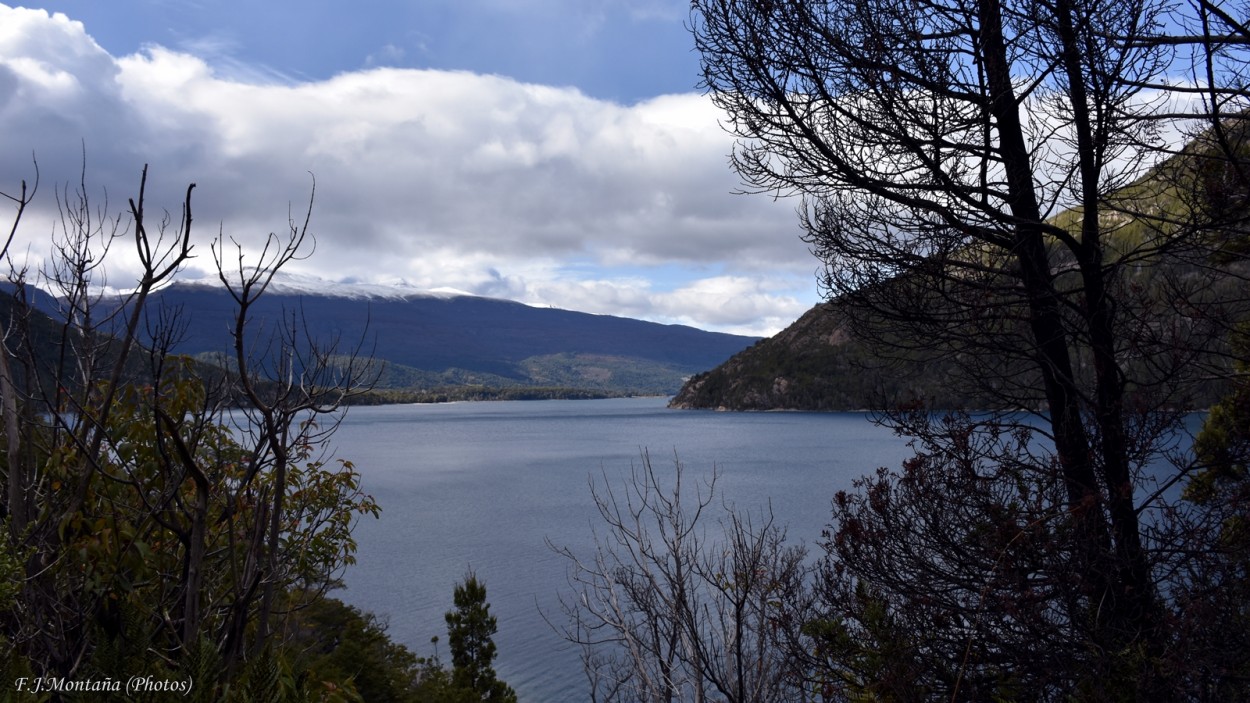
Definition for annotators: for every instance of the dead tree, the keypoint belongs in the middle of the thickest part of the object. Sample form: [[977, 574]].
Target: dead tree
[[967, 169], [164, 508], [676, 605]]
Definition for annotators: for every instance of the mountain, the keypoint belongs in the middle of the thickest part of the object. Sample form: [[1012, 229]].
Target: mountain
[[814, 364], [441, 339]]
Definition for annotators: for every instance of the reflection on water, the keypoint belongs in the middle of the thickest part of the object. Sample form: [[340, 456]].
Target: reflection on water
[[481, 486]]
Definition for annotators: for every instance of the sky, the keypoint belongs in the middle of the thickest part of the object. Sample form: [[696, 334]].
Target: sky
[[555, 152]]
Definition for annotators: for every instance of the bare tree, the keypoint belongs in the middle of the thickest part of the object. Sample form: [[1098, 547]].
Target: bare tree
[[290, 381], [166, 510], [976, 177], [671, 607], [15, 499]]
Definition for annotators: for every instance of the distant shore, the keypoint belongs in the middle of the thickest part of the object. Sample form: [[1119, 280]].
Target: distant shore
[[482, 393]]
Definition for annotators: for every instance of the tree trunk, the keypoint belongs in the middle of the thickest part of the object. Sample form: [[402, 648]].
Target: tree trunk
[[17, 498]]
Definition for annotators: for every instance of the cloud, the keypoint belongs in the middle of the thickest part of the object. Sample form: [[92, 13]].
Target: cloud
[[439, 178], [737, 304], [663, 10], [388, 55]]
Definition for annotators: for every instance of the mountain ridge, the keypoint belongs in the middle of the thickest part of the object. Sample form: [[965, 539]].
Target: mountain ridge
[[812, 365], [437, 339]]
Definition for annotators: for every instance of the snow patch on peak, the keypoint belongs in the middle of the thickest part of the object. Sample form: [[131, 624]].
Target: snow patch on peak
[[446, 292], [286, 283]]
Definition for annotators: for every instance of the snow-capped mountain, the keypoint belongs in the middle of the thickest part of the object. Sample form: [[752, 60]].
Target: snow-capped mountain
[[298, 284], [447, 336]]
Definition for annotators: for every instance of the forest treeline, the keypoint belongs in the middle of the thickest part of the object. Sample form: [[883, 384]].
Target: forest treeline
[[172, 527]]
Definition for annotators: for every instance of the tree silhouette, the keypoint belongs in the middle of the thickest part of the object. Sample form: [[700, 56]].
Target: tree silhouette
[[469, 630], [990, 183]]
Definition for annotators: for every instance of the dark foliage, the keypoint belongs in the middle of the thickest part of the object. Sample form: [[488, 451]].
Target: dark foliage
[[470, 628]]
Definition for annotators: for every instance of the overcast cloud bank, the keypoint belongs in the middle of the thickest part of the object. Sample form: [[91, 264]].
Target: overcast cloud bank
[[433, 178]]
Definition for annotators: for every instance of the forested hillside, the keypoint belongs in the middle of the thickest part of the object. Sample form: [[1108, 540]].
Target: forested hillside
[[820, 363], [463, 346], [815, 364]]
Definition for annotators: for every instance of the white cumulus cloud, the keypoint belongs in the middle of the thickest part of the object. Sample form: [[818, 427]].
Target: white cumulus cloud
[[438, 178]]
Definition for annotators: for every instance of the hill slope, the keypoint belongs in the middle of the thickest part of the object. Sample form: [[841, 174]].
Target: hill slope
[[813, 364], [432, 341]]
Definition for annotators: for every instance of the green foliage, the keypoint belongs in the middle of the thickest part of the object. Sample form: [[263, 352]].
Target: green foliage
[[12, 664], [469, 630], [340, 648], [1223, 446], [870, 660], [1223, 453], [154, 513], [262, 680], [10, 572], [124, 547], [1215, 597], [566, 375], [815, 364], [450, 394]]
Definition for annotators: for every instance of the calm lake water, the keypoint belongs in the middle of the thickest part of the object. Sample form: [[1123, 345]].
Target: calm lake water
[[482, 486]]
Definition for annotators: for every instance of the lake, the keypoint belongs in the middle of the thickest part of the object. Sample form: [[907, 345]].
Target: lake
[[482, 486]]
